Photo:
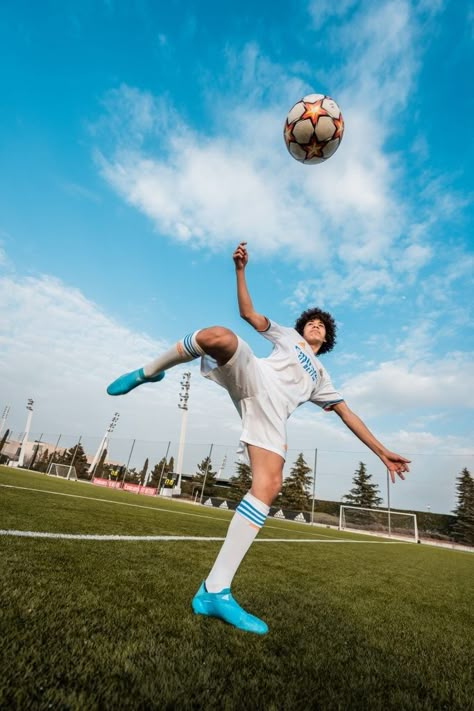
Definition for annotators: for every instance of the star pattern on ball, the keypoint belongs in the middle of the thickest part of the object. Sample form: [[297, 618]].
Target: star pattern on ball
[[288, 133], [313, 149], [339, 124], [313, 110]]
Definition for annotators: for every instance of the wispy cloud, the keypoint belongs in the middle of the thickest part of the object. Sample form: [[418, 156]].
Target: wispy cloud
[[235, 181], [59, 348]]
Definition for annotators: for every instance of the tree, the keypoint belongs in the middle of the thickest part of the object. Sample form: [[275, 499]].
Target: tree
[[77, 457], [203, 467], [295, 489], [242, 482], [36, 449], [363, 493], [162, 467], [463, 530], [42, 463]]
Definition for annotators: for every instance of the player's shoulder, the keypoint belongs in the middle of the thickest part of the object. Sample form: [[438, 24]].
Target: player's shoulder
[[274, 328]]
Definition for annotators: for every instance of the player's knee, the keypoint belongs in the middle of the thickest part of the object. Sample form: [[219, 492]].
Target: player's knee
[[268, 489], [275, 483], [216, 338]]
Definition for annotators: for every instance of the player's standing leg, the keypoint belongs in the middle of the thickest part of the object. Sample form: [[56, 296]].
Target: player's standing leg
[[214, 598]]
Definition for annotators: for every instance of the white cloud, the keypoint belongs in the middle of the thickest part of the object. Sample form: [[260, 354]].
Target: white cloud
[[323, 10], [396, 387], [235, 181], [61, 350], [228, 185]]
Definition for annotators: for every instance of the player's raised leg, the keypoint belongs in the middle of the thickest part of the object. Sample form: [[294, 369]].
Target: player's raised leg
[[216, 341], [214, 598]]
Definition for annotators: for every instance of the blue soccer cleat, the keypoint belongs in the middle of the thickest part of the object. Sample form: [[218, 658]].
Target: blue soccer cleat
[[127, 382], [223, 606]]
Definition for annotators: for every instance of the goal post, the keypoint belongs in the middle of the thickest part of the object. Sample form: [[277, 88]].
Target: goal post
[[64, 471], [379, 522]]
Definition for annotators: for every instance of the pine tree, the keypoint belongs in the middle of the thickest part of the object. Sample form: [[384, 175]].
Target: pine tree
[[36, 450], [203, 467], [162, 467], [241, 483], [295, 489], [42, 463], [463, 530], [78, 459], [364, 493]]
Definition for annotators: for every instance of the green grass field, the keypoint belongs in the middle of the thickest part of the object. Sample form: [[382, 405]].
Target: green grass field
[[355, 622]]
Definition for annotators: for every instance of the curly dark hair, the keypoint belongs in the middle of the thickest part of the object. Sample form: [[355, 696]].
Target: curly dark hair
[[329, 323]]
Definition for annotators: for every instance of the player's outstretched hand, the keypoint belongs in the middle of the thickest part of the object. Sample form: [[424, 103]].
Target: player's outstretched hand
[[240, 256], [395, 464]]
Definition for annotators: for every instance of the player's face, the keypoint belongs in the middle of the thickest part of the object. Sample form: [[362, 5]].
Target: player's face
[[314, 332]]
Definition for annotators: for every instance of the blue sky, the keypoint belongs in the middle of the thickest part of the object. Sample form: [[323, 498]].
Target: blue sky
[[141, 141]]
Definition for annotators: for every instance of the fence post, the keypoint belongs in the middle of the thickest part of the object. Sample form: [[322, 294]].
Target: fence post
[[205, 475], [314, 484]]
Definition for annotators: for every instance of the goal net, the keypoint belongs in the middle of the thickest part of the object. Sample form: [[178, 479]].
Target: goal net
[[382, 522], [65, 471]]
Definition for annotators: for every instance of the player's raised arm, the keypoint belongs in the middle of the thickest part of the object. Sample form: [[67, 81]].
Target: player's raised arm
[[395, 463], [246, 309]]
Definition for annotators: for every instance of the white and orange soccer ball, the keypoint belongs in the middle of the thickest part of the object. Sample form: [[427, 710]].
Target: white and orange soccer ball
[[313, 129]]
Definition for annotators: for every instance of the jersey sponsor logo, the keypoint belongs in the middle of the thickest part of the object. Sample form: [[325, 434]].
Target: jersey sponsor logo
[[306, 363]]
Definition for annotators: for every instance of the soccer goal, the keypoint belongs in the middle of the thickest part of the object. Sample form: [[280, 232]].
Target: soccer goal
[[381, 522], [65, 471]]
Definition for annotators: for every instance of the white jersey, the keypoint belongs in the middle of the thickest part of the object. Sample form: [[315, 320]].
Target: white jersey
[[296, 372], [266, 391]]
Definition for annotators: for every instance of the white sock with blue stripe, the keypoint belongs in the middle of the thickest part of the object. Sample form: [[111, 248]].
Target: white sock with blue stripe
[[248, 519], [185, 350]]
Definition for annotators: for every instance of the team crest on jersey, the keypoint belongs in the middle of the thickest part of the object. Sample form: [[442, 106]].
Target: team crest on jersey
[[306, 363], [302, 344]]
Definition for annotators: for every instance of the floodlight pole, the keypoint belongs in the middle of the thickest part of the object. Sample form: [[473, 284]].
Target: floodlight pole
[[165, 461], [52, 455], [103, 443], [314, 485], [221, 468], [35, 451], [128, 462], [4, 418], [207, 472], [183, 405], [29, 407]]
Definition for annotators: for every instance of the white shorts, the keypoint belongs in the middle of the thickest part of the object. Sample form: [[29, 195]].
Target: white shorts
[[253, 393]]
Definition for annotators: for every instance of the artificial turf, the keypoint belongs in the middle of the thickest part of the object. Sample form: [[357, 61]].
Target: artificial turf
[[108, 624]]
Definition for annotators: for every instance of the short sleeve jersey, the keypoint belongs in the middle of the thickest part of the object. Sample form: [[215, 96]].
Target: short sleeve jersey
[[294, 372]]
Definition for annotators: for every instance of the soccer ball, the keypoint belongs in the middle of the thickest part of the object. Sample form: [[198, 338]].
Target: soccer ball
[[313, 128]]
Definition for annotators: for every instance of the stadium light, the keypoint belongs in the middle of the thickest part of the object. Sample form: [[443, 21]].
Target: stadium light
[[183, 405], [103, 443], [222, 467], [4, 418], [29, 407]]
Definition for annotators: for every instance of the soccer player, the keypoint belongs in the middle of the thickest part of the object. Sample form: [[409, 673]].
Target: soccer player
[[265, 392]]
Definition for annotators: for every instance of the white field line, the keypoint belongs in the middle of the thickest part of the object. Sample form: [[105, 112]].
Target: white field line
[[109, 537], [152, 508]]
